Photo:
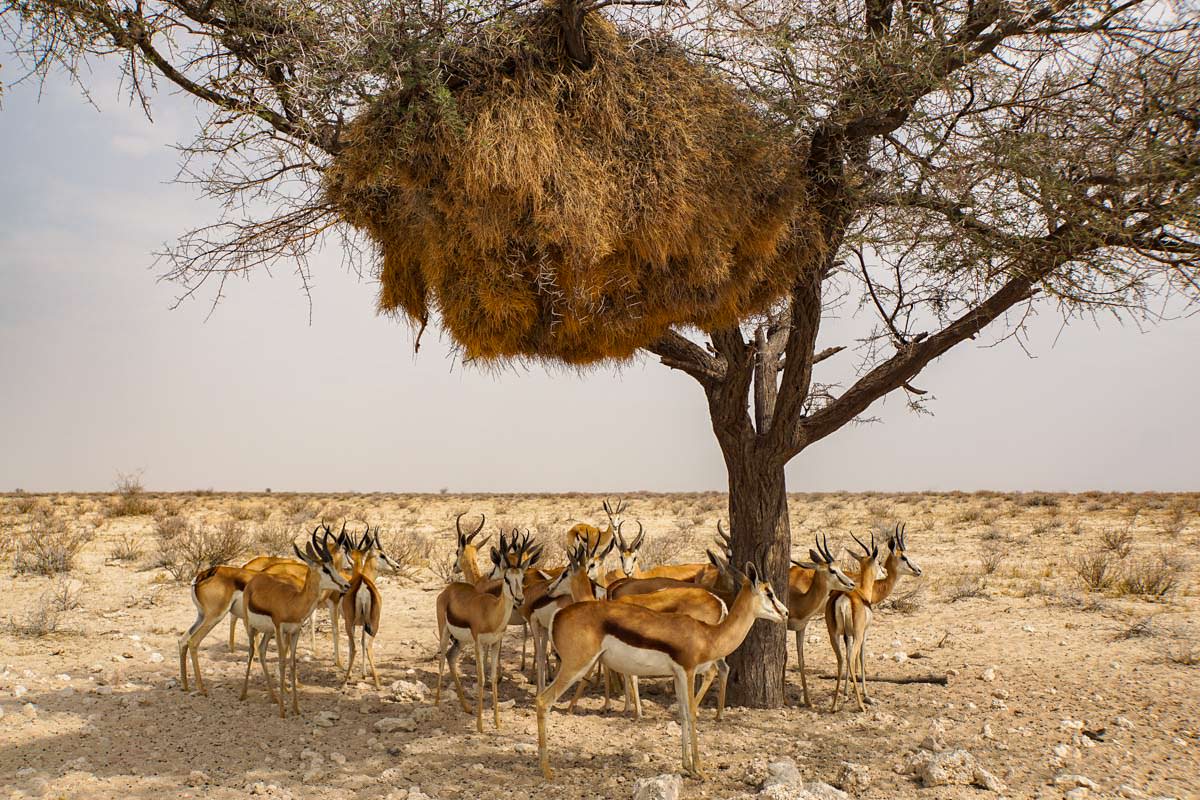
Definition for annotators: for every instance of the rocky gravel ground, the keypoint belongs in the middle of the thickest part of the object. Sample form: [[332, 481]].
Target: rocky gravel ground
[[1053, 690]]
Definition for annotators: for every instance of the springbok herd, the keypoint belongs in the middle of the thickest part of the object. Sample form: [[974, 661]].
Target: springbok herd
[[671, 620]]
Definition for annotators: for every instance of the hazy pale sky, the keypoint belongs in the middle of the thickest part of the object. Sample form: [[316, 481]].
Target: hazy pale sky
[[99, 376]]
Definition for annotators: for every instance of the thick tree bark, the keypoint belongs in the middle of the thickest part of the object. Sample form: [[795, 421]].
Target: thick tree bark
[[760, 533]]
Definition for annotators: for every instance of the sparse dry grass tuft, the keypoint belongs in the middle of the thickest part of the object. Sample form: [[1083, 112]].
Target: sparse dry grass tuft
[[1152, 577], [126, 548], [1096, 569], [45, 617], [967, 587], [1117, 541], [990, 558]]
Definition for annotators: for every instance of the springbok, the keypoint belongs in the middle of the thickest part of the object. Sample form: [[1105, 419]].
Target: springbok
[[274, 607], [634, 640], [287, 567], [592, 536], [544, 600], [629, 552], [465, 614], [896, 565], [362, 603], [848, 615], [809, 584], [465, 563]]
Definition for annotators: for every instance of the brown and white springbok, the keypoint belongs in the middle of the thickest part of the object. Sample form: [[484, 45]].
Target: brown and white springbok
[[466, 614], [637, 641], [276, 608]]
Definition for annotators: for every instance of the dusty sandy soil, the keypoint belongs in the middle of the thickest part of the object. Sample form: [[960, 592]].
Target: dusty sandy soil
[[93, 709]]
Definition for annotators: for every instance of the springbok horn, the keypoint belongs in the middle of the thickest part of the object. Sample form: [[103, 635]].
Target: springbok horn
[[866, 549]]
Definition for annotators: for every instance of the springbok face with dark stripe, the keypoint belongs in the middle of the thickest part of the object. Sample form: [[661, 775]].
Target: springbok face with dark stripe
[[898, 545], [628, 550], [823, 562]]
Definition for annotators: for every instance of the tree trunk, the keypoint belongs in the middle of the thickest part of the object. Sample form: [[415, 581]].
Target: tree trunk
[[758, 519]]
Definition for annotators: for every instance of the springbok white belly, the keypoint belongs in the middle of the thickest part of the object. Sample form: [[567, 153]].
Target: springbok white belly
[[264, 624], [630, 660]]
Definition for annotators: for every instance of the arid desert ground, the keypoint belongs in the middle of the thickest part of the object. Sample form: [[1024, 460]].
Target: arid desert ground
[[1066, 625]]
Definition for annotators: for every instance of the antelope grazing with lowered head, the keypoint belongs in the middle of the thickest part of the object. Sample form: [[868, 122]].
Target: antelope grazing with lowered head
[[275, 607], [633, 640], [848, 615], [809, 584], [466, 614]]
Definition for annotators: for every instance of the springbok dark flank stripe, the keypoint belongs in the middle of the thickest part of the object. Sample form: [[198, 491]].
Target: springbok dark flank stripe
[[633, 638]]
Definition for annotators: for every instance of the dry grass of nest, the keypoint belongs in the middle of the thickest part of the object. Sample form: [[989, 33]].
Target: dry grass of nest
[[549, 212]]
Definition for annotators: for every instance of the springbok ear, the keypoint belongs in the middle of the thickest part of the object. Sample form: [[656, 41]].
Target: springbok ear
[[300, 555], [751, 572], [712, 559], [815, 556], [805, 565], [310, 553], [495, 556]]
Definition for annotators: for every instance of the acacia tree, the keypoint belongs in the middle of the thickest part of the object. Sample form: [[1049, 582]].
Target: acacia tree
[[969, 159]]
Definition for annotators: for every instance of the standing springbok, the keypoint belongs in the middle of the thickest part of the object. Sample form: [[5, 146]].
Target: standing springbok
[[543, 601], [287, 567], [466, 614], [809, 584], [275, 607], [635, 640], [362, 603], [848, 615], [465, 563], [896, 565]]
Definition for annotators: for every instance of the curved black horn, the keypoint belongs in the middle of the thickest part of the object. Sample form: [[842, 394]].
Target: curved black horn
[[637, 542], [866, 549]]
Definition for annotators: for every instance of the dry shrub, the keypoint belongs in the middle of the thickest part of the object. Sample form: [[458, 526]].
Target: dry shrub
[[1038, 501], [1117, 542], [274, 539], [187, 550], [1153, 576], [909, 602], [131, 500], [968, 586], [547, 211], [412, 551], [1138, 630], [127, 547], [297, 508], [336, 512], [246, 512], [1097, 570], [45, 617], [1175, 522], [990, 558], [24, 503], [663, 548], [49, 545]]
